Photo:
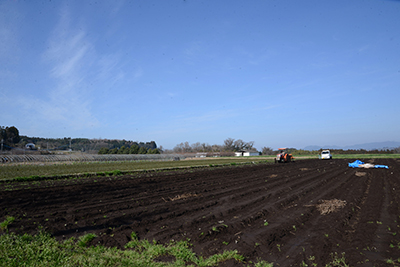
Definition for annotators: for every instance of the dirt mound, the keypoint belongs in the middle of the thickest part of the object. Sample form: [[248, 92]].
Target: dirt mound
[[287, 214], [329, 206]]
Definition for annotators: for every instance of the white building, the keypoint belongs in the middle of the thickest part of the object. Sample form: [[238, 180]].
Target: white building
[[246, 153]]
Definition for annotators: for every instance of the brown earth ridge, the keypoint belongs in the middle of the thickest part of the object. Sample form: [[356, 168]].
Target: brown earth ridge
[[285, 214]]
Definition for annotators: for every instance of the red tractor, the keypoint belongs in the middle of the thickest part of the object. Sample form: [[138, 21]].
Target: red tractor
[[283, 156]]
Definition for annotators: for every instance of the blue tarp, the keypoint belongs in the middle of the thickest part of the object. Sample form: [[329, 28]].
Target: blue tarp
[[356, 164], [381, 166]]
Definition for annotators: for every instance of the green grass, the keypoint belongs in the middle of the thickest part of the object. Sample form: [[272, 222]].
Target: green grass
[[25, 172], [43, 250], [84, 240], [337, 260], [4, 225]]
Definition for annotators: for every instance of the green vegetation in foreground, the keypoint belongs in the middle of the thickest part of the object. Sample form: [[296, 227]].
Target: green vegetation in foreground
[[44, 250], [4, 225], [35, 171]]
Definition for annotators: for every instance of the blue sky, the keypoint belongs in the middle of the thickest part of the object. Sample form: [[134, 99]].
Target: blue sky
[[279, 73]]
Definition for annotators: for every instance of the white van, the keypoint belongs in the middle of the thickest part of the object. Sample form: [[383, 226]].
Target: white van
[[325, 154]]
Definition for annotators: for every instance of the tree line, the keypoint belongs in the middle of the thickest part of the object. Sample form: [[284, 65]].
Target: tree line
[[9, 136], [134, 149], [12, 139], [230, 145], [106, 146]]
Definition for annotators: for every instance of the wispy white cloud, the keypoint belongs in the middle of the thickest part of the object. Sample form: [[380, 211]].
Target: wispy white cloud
[[69, 49], [109, 68], [67, 54], [70, 56]]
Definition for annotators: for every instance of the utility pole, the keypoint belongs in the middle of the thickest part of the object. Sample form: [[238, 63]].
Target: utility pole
[[2, 140]]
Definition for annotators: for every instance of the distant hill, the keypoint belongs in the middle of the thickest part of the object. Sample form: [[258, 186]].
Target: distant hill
[[366, 146]]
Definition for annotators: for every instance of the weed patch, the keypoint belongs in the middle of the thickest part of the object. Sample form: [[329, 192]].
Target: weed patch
[[4, 225]]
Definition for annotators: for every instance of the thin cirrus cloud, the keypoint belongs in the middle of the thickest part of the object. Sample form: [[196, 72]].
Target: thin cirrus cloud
[[70, 53]]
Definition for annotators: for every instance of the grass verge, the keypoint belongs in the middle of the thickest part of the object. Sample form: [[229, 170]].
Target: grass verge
[[44, 250]]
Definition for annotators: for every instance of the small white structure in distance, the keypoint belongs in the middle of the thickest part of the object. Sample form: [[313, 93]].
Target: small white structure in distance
[[246, 153], [30, 146]]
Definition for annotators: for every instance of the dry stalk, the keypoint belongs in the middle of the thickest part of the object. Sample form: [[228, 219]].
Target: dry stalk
[[183, 196], [329, 206]]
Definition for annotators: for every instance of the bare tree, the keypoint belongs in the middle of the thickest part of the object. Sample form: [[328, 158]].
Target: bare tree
[[216, 148], [178, 148], [249, 146], [196, 147], [239, 145], [205, 147], [229, 144], [187, 147]]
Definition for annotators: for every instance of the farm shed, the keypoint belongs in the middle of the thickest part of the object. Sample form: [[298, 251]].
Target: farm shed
[[246, 153]]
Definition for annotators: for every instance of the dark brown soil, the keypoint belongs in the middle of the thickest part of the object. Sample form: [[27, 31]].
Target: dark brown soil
[[281, 213]]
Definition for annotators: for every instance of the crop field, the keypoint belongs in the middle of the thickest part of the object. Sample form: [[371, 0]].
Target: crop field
[[307, 213], [70, 169]]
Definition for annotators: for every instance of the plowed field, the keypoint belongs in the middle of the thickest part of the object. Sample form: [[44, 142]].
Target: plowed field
[[285, 214]]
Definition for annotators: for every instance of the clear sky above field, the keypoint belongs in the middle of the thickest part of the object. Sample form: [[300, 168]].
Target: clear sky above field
[[279, 73]]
